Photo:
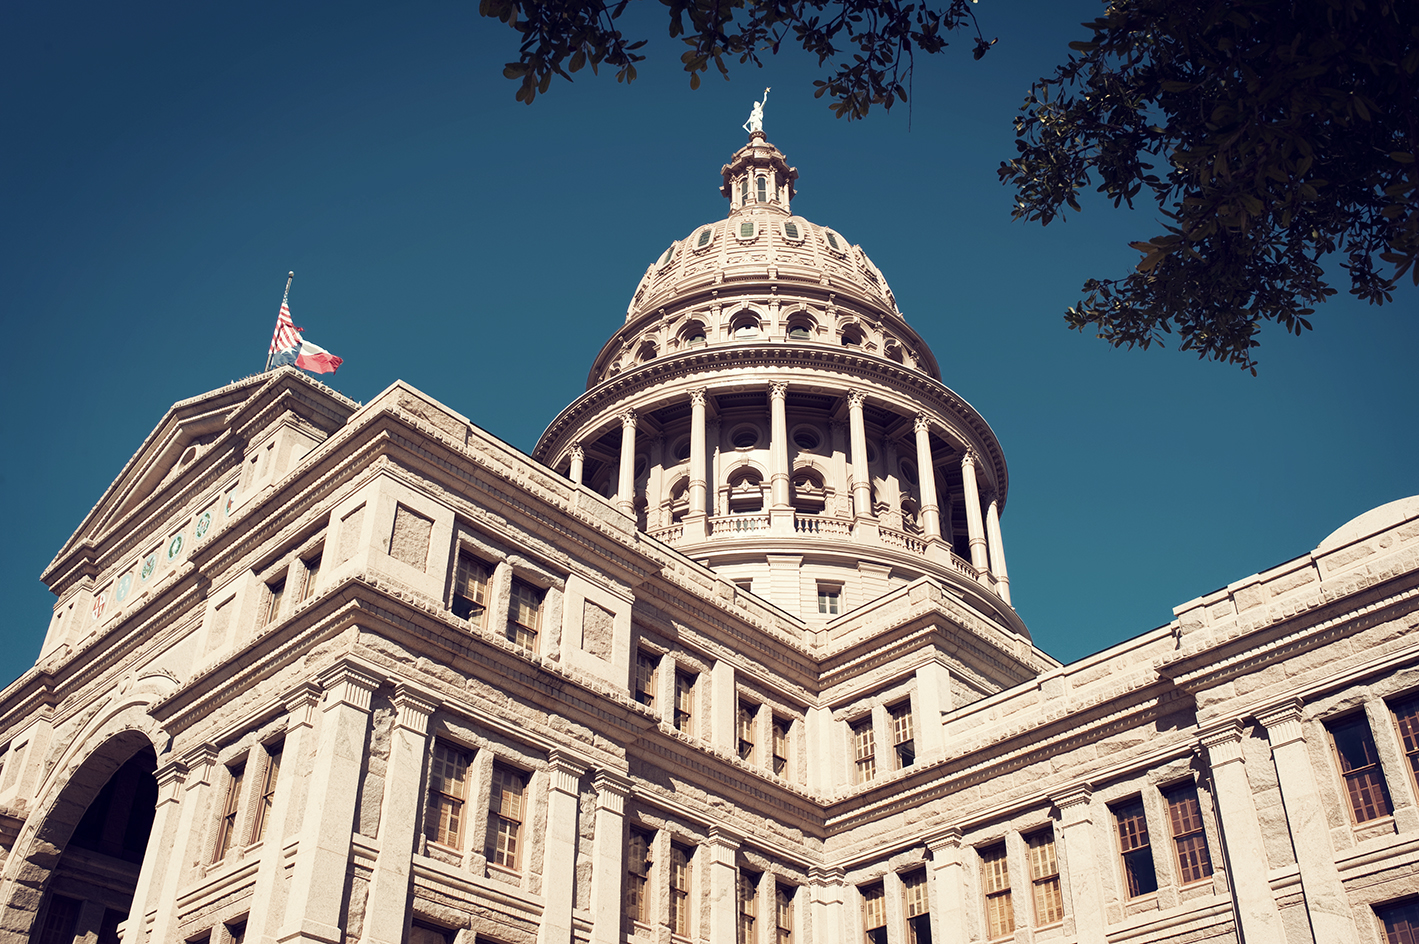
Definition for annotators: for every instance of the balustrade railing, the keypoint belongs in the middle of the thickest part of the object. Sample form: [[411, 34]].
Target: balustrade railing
[[903, 540], [817, 524], [669, 535], [739, 524]]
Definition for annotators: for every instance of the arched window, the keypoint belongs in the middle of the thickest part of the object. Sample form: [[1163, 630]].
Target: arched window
[[763, 194], [745, 325], [852, 336], [647, 352], [809, 497], [744, 191], [800, 332], [693, 334], [746, 491]]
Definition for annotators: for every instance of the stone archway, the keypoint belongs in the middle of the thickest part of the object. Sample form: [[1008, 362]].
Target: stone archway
[[75, 872]]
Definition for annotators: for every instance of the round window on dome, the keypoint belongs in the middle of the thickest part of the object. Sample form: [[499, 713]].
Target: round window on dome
[[871, 453], [681, 450], [807, 438], [745, 437], [790, 230], [909, 470], [642, 464], [706, 235]]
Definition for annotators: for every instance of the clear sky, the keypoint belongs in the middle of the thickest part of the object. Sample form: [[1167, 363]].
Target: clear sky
[[163, 165]]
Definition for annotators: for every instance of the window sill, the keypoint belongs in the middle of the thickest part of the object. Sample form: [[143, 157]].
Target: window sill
[[1370, 829], [504, 870]]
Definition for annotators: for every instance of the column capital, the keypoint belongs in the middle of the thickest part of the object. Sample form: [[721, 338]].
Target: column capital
[[946, 841], [1073, 804], [628, 418], [778, 389], [414, 706], [1223, 742], [823, 875], [699, 396], [199, 763], [564, 771], [170, 777], [856, 398], [611, 791], [1282, 722], [576, 452], [300, 703], [725, 838], [347, 684], [970, 458], [921, 423]]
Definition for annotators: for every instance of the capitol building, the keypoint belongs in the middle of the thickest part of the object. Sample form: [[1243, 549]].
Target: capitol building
[[729, 658]]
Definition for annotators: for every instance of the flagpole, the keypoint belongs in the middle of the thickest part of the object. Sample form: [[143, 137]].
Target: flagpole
[[284, 295]]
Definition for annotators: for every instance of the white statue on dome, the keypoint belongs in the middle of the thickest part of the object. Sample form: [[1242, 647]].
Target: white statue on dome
[[756, 117]]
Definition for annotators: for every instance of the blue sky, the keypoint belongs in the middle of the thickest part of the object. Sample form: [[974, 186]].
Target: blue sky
[[162, 166]]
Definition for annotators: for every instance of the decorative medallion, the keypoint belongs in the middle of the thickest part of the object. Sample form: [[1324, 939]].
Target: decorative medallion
[[100, 602], [203, 524], [149, 564], [175, 546], [125, 583], [231, 503]]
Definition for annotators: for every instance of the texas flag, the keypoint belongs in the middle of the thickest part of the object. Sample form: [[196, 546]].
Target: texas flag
[[288, 347]]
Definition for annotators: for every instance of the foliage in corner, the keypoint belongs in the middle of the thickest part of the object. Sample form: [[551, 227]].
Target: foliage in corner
[[1270, 134], [869, 45]]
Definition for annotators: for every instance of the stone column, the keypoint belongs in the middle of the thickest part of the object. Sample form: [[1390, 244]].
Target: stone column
[[974, 528], [403, 793], [861, 480], [156, 860], [187, 841], [1086, 899], [997, 549], [1241, 836], [626, 489], [778, 446], [827, 904], [946, 891], [559, 850], [578, 462], [317, 884], [608, 866], [1326, 901], [724, 707], [723, 886], [697, 455], [264, 923], [926, 478]]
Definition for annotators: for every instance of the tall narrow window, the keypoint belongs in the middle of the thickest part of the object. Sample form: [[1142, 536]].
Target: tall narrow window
[[995, 881], [1134, 848], [448, 788], [470, 588], [638, 876], [268, 793], [236, 932], [680, 858], [1189, 840], [783, 913], [1360, 766], [271, 607], [526, 612], [1406, 716], [864, 750], [1044, 878], [762, 193], [903, 739], [743, 191], [645, 678], [1401, 921], [505, 808], [747, 715], [312, 571], [874, 913], [748, 906], [61, 915], [829, 600], [685, 703], [914, 906], [226, 829], [781, 726]]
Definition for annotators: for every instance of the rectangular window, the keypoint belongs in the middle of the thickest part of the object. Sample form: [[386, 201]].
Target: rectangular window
[[1406, 717], [645, 678], [781, 726], [864, 750], [312, 571], [903, 741], [1189, 840], [61, 915], [874, 913], [505, 809], [1400, 921], [271, 606], [1360, 766], [680, 858], [783, 913], [524, 616], [748, 713], [236, 932], [268, 793], [448, 789], [748, 906], [914, 906], [638, 876], [829, 599], [685, 703], [226, 830], [1135, 849], [995, 882], [1044, 878], [470, 588]]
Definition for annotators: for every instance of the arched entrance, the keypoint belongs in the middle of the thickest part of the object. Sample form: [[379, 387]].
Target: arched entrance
[[83, 861]]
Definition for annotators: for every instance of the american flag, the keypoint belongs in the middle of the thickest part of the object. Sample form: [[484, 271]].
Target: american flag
[[287, 335]]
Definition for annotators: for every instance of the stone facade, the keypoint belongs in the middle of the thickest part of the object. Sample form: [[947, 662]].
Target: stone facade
[[729, 658]]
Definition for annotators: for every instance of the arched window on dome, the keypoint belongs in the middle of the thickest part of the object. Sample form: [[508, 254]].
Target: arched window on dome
[[679, 500], [852, 336], [763, 190], [647, 352], [744, 326], [800, 327], [746, 491], [693, 335], [894, 352], [808, 494]]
